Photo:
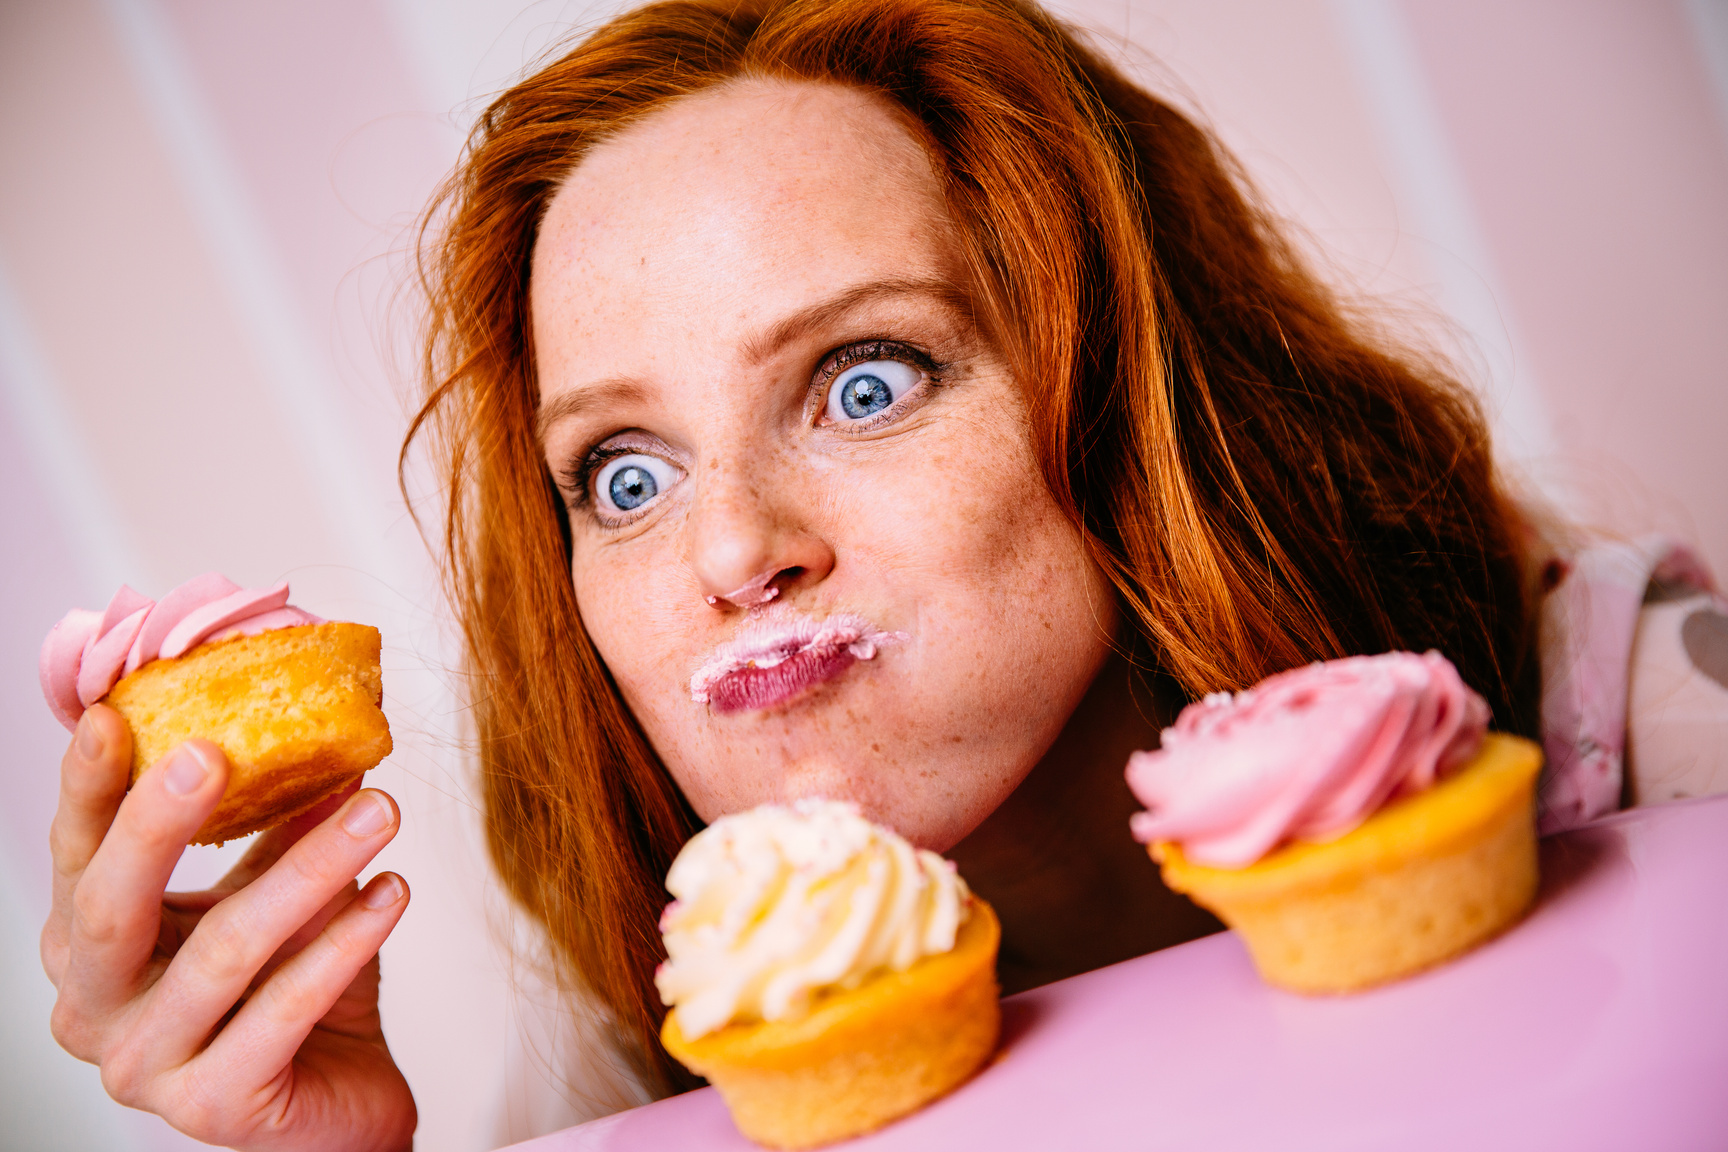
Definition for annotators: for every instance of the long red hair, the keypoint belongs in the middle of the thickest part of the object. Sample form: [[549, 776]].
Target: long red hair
[[1263, 483]]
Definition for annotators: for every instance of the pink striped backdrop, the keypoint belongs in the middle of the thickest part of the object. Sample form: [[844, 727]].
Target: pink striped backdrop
[[204, 214]]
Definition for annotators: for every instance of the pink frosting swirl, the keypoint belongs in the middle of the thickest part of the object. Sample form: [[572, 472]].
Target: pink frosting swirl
[[87, 652], [1304, 755]]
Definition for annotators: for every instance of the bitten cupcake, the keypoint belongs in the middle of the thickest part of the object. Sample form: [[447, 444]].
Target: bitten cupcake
[[823, 974], [292, 700], [1353, 820]]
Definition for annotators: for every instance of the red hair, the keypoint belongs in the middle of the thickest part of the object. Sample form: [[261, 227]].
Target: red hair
[[1263, 484]]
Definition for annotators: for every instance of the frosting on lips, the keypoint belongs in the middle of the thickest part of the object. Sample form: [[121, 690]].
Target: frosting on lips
[[778, 650], [1305, 755], [780, 903], [87, 653]]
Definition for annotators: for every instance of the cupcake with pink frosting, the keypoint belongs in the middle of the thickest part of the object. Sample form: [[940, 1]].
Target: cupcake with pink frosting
[[292, 700], [1354, 821]]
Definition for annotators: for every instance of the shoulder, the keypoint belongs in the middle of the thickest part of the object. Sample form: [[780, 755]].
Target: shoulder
[[1634, 680], [1677, 699]]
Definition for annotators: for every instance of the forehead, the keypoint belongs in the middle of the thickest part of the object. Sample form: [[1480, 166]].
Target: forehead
[[735, 205]]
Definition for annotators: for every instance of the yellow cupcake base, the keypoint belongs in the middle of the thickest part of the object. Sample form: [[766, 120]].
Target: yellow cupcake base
[[862, 1057], [295, 709], [1419, 882]]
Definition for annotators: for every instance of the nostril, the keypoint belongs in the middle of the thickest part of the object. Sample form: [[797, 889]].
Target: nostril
[[760, 590]]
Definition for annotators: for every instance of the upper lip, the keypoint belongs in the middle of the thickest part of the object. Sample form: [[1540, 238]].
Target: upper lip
[[772, 635]]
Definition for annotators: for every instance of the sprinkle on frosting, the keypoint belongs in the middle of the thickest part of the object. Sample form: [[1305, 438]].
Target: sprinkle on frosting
[[87, 653], [780, 903], [1307, 754]]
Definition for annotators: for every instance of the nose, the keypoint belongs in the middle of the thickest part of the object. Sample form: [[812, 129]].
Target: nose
[[750, 545]]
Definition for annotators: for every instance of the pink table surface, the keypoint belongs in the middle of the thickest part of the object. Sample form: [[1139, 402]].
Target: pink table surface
[[1601, 1022]]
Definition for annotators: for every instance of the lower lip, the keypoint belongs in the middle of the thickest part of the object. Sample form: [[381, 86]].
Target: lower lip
[[749, 688]]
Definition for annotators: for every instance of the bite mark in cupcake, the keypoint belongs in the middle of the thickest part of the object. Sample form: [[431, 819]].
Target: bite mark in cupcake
[[291, 699]]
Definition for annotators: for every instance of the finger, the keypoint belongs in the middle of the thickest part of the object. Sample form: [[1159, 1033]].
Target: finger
[[117, 904], [235, 939], [308, 931], [93, 778], [188, 907], [265, 1034], [270, 847], [296, 941]]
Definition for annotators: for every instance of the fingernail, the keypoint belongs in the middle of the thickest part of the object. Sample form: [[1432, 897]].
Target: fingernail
[[185, 772], [89, 740], [382, 893], [367, 813]]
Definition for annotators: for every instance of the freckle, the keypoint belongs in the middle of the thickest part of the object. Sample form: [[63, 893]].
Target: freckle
[[875, 747]]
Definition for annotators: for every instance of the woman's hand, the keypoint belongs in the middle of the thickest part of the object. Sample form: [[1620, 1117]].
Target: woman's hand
[[246, 1015]]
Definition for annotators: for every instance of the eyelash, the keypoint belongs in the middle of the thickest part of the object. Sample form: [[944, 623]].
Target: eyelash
[[577, 477], [863, 351]]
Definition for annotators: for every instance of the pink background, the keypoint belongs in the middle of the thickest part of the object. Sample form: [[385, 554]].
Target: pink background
[[203, 221]]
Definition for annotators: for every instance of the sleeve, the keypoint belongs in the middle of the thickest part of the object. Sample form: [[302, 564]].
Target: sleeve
[[1592, 621], [1677, 707]]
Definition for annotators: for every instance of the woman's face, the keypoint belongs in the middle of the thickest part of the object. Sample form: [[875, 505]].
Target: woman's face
[[809, 536]]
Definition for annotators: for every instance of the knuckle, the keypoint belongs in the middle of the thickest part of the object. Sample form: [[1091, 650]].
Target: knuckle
[[194, 1115], [314, 866], [54, 950], [313, 860], [72, 1030], [200, 1110], [66, 848], [98, 919], [123, 1076], [87, 787], [227, 947], [86, 784], [155, 831], [284, 998], [347, 933]]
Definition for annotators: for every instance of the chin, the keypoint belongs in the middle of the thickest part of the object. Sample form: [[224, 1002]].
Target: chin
[[750, 774], [852, 739]]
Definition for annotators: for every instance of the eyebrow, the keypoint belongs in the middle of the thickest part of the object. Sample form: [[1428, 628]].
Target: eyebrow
[[762, 345], [572, 401]]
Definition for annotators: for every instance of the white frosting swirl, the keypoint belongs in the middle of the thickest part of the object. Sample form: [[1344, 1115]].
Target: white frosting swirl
[[779, 903]]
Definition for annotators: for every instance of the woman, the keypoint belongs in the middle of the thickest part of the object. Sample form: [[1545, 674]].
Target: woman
[[902, 334]]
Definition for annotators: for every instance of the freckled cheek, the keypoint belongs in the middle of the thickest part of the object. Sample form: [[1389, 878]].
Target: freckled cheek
[[630, 597], [968, 516], [1008, 609]]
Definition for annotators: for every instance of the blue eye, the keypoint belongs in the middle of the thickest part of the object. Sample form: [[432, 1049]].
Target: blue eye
[[626, 483], [864, 395], [866, 389], [632, 487]]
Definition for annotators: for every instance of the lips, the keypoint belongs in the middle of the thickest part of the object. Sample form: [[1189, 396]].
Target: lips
[[779, 653], [748, 688]]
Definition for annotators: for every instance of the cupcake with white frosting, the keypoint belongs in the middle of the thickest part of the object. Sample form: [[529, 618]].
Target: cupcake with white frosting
[[826, 976]]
